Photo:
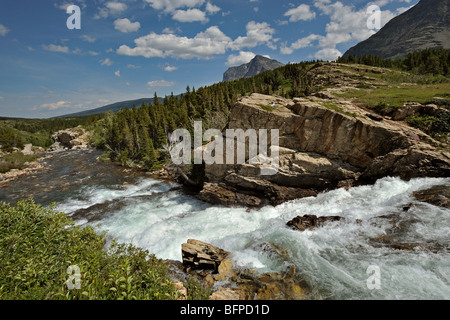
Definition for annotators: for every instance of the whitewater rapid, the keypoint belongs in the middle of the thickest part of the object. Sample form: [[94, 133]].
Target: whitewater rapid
[[334, 260]]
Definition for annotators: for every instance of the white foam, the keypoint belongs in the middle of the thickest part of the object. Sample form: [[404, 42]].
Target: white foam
[[333, 259]]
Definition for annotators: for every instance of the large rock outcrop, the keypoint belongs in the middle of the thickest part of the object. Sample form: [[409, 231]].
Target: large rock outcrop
[[74, 138], [323, 144]]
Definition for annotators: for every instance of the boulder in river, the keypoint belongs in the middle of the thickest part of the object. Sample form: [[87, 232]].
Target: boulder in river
[[201, 255], [74, 138], [310, 222]]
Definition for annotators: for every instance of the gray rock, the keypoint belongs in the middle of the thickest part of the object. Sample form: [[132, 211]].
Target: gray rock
[[256, 66]]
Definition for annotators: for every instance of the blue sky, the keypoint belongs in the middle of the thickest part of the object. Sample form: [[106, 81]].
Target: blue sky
[[130, 49]]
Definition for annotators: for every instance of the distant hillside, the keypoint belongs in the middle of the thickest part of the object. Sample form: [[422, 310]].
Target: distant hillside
[[111, 107], [426, 25], [256, 66]]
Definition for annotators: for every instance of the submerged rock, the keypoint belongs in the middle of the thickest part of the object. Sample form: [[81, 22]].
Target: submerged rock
[[310, 222], [438, 196]]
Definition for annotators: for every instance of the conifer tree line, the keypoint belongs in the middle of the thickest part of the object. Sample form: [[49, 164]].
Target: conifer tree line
[[14, 133], [137, 135], [427, 61]]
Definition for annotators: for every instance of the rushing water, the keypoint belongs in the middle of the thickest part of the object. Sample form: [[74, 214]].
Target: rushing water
[[334, 260]]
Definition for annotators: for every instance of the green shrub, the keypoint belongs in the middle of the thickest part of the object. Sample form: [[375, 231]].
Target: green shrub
[[15, 160], [9, 139], [37, 245]]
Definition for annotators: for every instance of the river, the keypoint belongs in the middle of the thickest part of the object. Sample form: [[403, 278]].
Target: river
[[337, 260]]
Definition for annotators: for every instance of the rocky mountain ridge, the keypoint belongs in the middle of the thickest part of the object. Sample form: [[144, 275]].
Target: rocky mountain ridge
[[426, 25], [256, 66]]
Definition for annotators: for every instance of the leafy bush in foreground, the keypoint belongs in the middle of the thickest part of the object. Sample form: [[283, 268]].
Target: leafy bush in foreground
[[37, 245]]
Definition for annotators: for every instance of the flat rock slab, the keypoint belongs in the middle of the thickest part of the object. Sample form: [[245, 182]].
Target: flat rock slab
[[201, 255]]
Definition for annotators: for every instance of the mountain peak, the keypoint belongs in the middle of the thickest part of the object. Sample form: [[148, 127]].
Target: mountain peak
[[256, 66], [426, 25]]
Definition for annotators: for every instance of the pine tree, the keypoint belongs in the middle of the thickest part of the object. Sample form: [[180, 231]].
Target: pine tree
[[162, 138], [150, 159]]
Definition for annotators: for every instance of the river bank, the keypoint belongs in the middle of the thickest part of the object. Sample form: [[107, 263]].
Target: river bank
[[409, 246]]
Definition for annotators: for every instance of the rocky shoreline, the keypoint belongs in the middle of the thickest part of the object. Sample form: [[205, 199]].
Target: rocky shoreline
[[68, 139], [320, 148], [213, 266]]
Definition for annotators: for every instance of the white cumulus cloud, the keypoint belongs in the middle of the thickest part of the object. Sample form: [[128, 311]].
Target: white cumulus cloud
[[328, 54], [3, 30], [111, 8], [257, 34], [300, 43], [54, 106], [160, 84], [170, 68], [88, 38], [345, 24], [203, 46], [240, 59], [56, 48], [302, 12], [106, 62], [126, 26], [212, 9], [172, 5], [190, 15]]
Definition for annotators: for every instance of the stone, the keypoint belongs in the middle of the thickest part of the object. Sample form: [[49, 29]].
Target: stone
[[406, 110], [437, 195], [323, 95], [201, 255], [320, 149], [310, 222], [414, 136], [273, 251], [228, 294], [28, 149], [375, 117], [280, 286], [413, 162], [217, 194], [225, 270], [74, 138], [179, 286]]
